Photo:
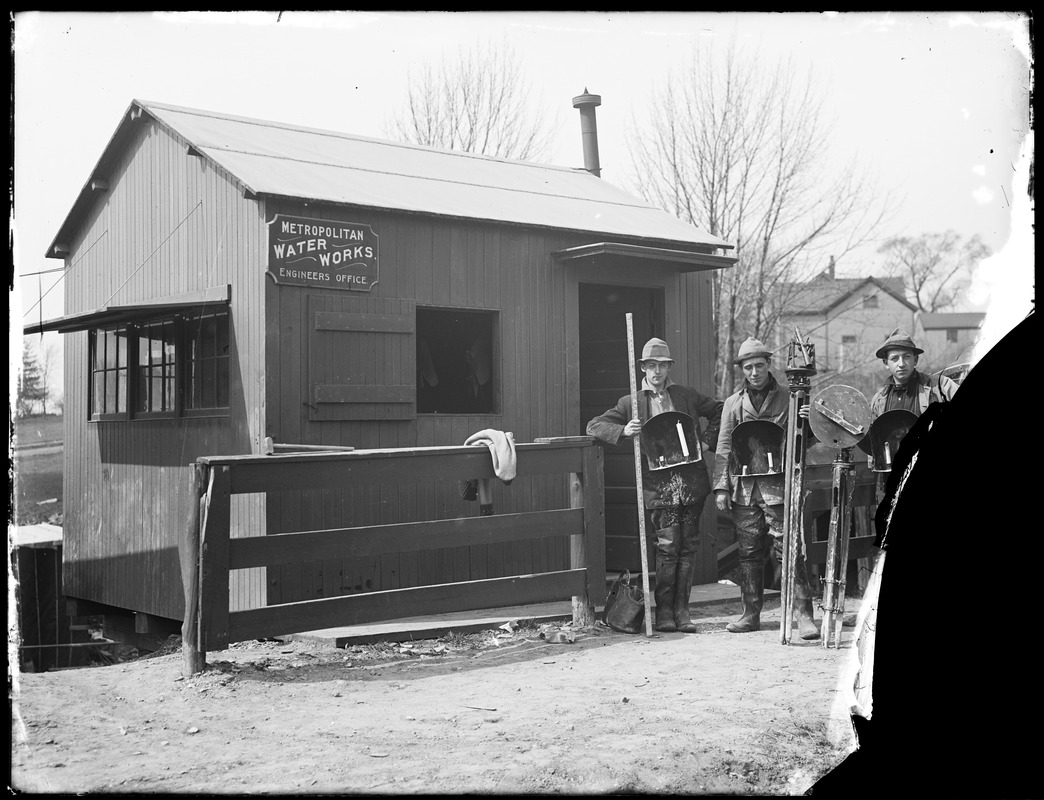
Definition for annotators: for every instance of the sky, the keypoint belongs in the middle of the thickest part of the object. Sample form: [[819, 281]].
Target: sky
[[933, 106]]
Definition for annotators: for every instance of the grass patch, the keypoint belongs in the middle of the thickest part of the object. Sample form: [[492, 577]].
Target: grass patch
[[43, 429]]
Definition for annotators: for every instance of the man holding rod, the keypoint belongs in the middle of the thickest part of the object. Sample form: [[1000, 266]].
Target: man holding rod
[[756, 503], [673, 496]]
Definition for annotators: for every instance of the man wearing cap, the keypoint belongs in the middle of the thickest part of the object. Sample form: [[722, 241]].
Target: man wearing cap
[[907, 388], [756, 502], [674, 496]]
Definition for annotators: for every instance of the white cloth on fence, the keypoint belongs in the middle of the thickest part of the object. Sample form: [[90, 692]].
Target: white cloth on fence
[[502, 448]]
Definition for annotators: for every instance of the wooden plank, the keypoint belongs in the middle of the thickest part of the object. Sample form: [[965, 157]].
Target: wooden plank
[[336, 470], [348, 393], [401, 537], [369, 323], [397, 603], [214, 562]]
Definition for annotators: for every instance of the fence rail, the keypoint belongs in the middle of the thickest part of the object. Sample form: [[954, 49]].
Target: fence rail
[[208, 552]]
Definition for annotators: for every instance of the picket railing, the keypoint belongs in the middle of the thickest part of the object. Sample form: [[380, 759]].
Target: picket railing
[[208, 553]]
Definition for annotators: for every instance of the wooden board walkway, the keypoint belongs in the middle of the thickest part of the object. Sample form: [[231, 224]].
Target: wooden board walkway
[[438, 625]]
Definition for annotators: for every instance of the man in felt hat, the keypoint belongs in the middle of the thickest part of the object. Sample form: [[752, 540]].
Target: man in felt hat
[[907, 388], [674, 496], [756, 502]]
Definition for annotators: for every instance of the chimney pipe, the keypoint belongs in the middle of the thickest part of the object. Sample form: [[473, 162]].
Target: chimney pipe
[[589, 130]]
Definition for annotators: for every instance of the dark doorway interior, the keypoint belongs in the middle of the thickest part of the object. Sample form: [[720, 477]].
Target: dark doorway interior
[[603, 381]]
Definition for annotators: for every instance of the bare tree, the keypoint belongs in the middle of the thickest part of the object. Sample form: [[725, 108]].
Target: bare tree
[[48, 364], [936, 267], [479, 103], [739, 150]]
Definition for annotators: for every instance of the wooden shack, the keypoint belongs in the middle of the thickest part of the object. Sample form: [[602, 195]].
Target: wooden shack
[[231, 280]]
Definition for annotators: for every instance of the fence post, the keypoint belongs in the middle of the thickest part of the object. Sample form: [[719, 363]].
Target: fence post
[[594, 522], [193, 659], [583, 614], [213, 590], [587, 548]]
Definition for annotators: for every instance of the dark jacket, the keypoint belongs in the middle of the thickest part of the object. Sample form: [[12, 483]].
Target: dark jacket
[[608, 427], [739, 408], [928, 391]]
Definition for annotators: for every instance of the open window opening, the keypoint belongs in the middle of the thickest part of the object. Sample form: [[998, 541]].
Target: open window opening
[[456, 364]]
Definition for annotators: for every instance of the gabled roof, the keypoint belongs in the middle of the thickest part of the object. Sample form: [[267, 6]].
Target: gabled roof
[[957, 319], [822, 294], [279, 160]]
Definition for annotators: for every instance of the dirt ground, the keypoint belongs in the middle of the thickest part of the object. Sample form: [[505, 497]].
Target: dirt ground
[[501, 711]]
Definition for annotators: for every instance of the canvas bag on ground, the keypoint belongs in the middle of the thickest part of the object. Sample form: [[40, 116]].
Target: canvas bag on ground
[[624, 606]]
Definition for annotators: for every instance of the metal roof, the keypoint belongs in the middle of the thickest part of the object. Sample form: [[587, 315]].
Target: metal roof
[[957, 319], [280, 160]]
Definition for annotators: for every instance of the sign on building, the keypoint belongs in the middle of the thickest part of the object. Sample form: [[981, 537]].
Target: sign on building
[[322, 253]]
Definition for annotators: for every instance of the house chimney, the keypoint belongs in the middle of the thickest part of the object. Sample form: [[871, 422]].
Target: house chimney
[[589, 130], [830, 268]]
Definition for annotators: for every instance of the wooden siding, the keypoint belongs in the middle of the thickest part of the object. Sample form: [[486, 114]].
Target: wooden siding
[[440, 263], [169, 223], [699, 311]]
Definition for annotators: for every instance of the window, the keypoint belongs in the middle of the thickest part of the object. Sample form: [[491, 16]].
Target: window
[[870, 301], [456, 368], [108, 358], [951, 334], [156, 368], [209, 359], [848, 343], [172, 367]]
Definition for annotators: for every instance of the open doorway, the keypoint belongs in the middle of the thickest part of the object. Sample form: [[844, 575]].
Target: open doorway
[[603, 381]]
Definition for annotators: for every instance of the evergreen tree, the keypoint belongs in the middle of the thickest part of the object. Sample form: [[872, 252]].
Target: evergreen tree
[[31, 387]]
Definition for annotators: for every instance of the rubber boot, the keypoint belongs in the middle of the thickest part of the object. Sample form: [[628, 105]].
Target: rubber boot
[[682, 589], [806, 624], [666, 574], [752, 592], [807, 628]]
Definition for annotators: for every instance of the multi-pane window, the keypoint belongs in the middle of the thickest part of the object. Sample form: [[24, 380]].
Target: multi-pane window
[[176, 366], [157, 367], [870, 301], [209, 362], [951, 335], [109, 372]]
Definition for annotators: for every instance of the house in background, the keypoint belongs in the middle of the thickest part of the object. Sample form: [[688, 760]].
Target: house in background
[[846, 319], [945, 336]]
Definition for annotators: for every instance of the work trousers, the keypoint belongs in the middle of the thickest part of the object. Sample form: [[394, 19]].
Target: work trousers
[[759, 526], [684, 517]]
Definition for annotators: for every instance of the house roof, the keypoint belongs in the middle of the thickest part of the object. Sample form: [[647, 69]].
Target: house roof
[[822, 294], [279, 160], [958, 319]]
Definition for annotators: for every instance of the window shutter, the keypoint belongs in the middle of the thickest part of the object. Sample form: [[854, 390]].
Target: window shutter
[[362, 359]]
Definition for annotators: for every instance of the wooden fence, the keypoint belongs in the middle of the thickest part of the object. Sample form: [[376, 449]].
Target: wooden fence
[[208, 553]]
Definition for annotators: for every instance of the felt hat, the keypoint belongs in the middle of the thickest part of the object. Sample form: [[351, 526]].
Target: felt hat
[[898, 339], [751, 348], [656, 350]]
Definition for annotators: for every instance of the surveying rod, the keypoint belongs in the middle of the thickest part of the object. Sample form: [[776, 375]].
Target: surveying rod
[[801, 366], [638, 476]]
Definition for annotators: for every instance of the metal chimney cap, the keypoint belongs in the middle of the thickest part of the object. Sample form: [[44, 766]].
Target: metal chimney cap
[[587, 99]]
